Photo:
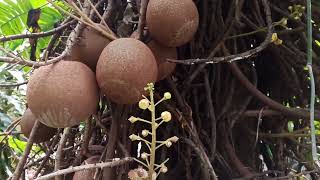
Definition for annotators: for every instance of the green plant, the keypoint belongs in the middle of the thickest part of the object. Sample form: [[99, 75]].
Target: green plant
[[13, 21], [153, 169]]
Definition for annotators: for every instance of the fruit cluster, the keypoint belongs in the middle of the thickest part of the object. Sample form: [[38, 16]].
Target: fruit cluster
[[65, 93]]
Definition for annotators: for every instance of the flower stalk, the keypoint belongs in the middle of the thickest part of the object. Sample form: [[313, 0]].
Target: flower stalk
[[149, 158]]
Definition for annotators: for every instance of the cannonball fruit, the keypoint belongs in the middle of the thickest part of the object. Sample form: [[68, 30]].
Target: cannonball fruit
[[172, 23], [161, 53], [165, 68], [43, 133], [89, 46], [124, 68], [89, 173], [63, 94]]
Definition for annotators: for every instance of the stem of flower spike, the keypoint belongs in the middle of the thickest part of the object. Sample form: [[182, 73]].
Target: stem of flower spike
[[154, 133]]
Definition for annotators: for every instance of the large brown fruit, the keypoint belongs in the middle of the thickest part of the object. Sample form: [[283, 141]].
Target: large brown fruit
[[124, 68], [43, 133], [87, 174], [161, 53], [89, 47], [63, 94], [172, 23]]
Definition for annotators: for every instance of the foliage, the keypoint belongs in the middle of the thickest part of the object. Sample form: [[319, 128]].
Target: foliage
[[13, 21]]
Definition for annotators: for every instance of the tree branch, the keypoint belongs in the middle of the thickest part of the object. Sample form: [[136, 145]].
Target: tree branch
[[34, 35], [142, 19], [17, 173], [21, 61], [86, 167], [12, 85], [59, 152]]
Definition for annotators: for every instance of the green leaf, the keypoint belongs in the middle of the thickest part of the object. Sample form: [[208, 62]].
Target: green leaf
[[26, 69], [17, 145], [13, 19], [38, 3]]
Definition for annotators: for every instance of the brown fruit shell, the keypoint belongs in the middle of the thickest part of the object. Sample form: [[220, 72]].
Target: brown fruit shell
[[89, 47], [161, 53], [43, 133], [63, 94], [172, 23], [87, 174], [124, 68]]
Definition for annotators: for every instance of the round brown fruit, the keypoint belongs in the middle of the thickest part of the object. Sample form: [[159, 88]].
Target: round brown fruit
[[43, 133], [172, 23], [161, 53], [124, 68], [89, 173], [63, 94], [89, 47]]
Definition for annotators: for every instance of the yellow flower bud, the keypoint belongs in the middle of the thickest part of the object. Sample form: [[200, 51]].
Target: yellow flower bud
[[167, 95], [168, 144], [166, 116], [144, 104], [174, 139], [144, 155], [284, 21], [133, 119], [134, 137], [274, 37], [145, 133], [164, 169]]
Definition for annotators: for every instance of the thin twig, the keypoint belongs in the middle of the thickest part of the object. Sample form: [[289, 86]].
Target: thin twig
[[10, 133], [17, 173], [86, 20], [86, 167], [19, 60], [211, 114], [34, 35], [312, 83], [9, 130], [204, 159], [142, 19], [117, 111], [109, 10], [98, 14], [13, 85], [50, 151], [59, 152]]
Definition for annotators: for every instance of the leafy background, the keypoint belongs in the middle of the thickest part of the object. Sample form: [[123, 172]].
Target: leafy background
[[13, 20]]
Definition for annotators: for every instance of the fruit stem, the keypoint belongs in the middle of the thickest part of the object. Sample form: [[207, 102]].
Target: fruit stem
[[153, 134]]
